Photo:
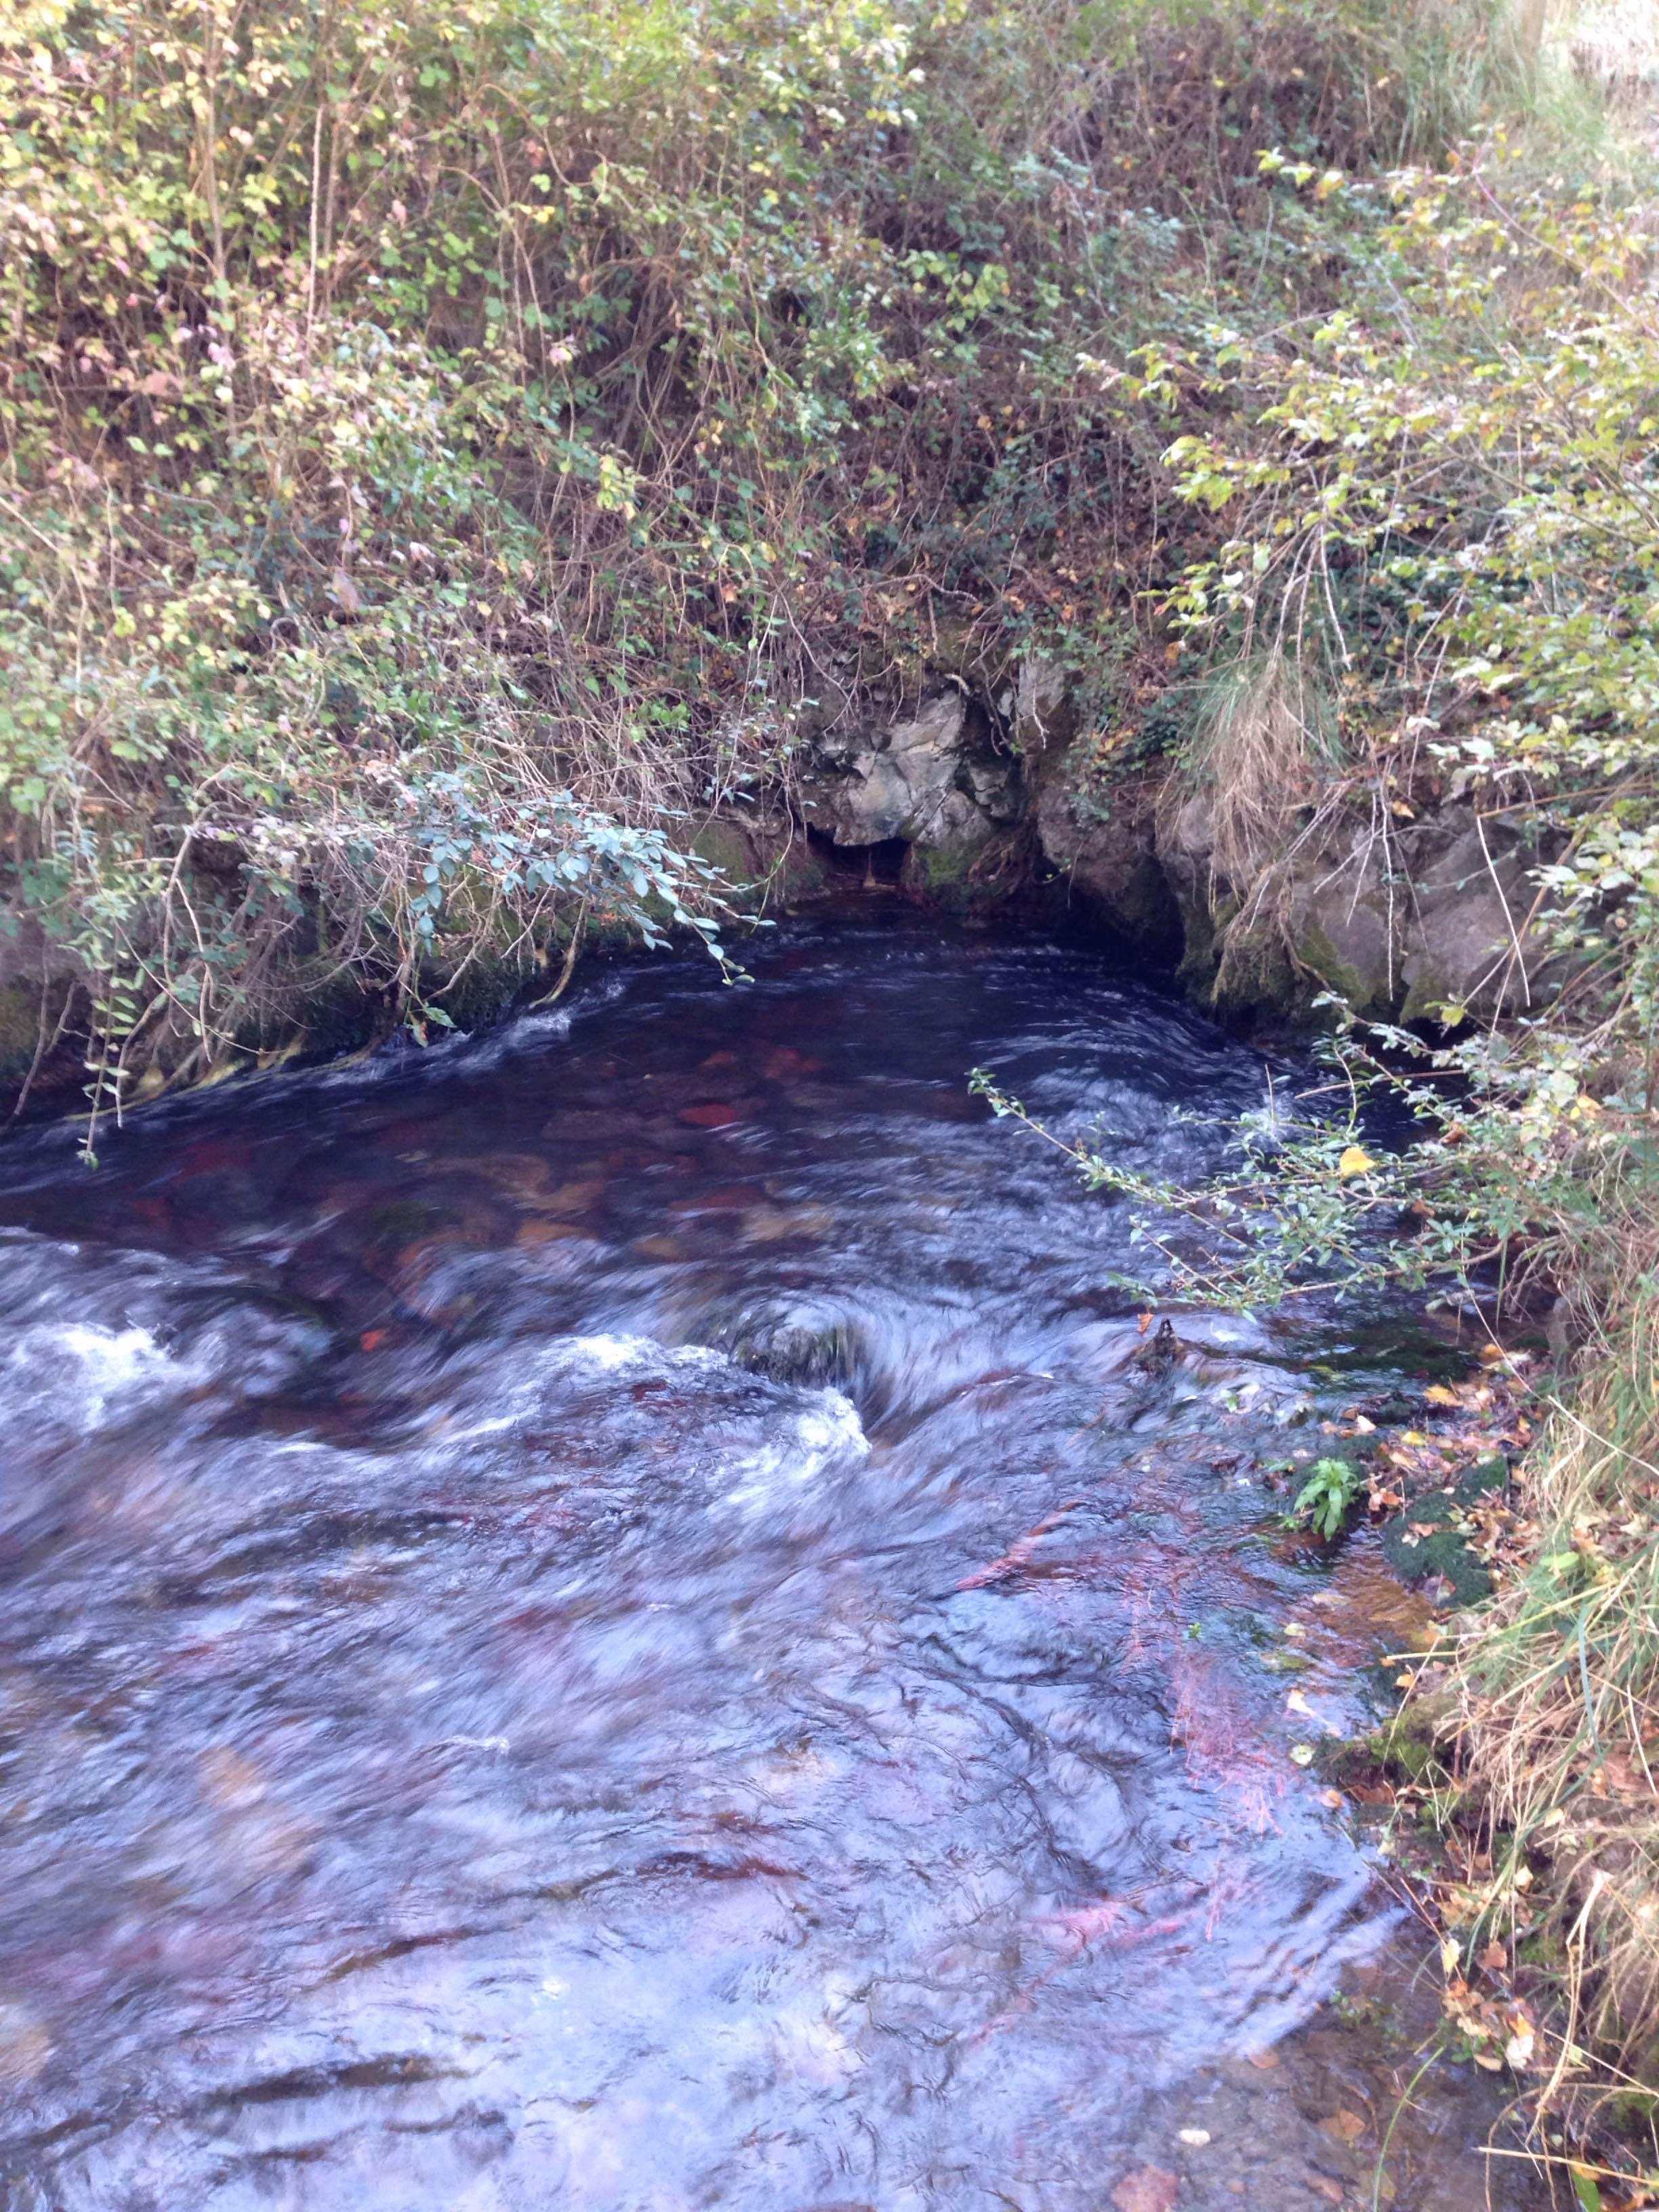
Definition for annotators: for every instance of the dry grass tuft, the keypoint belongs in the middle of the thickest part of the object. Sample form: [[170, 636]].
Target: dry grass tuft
[[1557, 1695], [1255, 782], [1256, 758]]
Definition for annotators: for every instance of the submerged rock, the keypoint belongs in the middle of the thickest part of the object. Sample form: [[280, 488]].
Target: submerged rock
[[819, 1351]]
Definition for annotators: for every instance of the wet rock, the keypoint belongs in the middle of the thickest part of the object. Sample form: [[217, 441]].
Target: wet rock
[[1111, 860], [1397, 924], [713, 1114], [764, 854], [1157, 1356], [778, 1224], [1151, 2189], [818, 1350], [1347, 924]]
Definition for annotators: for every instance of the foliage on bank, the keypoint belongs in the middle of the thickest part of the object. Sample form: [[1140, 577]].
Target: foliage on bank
[[441, 451]]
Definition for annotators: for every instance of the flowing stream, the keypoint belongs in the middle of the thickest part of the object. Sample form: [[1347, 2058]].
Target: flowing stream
[[604, 1618]]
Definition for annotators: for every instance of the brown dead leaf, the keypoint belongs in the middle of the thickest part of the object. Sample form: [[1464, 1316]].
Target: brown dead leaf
[[1495, 1959], [1346, 2126], [1617, 1778], [1151, 2189], [1145, 1322]]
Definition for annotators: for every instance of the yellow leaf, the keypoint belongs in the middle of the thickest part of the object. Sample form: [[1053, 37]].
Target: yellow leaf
[[1438, 1394], [1355, 1162]]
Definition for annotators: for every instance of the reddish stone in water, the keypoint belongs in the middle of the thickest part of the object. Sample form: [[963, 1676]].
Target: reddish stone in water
[[785, 1061], [716, 1115], [1151, 2189]]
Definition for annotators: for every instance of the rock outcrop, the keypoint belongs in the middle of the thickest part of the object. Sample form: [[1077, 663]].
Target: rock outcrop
[[1399, 918], [936, 775]]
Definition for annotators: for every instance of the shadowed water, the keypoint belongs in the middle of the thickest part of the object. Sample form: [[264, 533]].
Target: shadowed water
[[606, 1618]]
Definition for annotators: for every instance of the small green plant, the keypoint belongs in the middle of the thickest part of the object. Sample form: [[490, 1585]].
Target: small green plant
[[1325, 1499]]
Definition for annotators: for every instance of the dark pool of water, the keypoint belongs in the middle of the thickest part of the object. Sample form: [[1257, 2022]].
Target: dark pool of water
[[602, 1618]]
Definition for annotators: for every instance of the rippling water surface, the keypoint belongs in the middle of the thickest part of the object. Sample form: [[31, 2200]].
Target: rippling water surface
[[601, 1619]]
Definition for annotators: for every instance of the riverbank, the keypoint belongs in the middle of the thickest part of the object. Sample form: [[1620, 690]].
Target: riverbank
[[475, 490]]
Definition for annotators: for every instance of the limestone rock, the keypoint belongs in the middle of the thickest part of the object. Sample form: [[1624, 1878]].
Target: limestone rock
[[1112, 861], [1348, 914], [1467, 941], [1041, 707], [923, 779]]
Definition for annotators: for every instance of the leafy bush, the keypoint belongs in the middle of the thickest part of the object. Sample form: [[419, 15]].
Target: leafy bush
[[555, 398]]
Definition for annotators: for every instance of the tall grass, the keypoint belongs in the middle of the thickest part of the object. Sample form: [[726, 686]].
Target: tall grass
[[1557, 1695]]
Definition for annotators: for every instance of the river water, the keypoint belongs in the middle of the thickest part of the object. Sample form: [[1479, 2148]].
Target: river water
[[604, 1618]]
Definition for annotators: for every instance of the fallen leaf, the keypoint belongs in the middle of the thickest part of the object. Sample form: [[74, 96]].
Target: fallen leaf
[[1355, 1161], [1301, 1754], [1495, 1958], [1438, 1394], [373, 1339], [1145, 1324], [1616, 1776], [1264, 2061], [1151, 2189], [1194, 2138], [1296, 1703], [1347, 2127]]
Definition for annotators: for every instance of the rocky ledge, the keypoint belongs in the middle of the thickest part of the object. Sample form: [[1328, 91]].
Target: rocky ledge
[[967, 790]]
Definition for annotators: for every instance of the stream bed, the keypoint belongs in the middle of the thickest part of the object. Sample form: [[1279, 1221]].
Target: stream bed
[[604, 1618]]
